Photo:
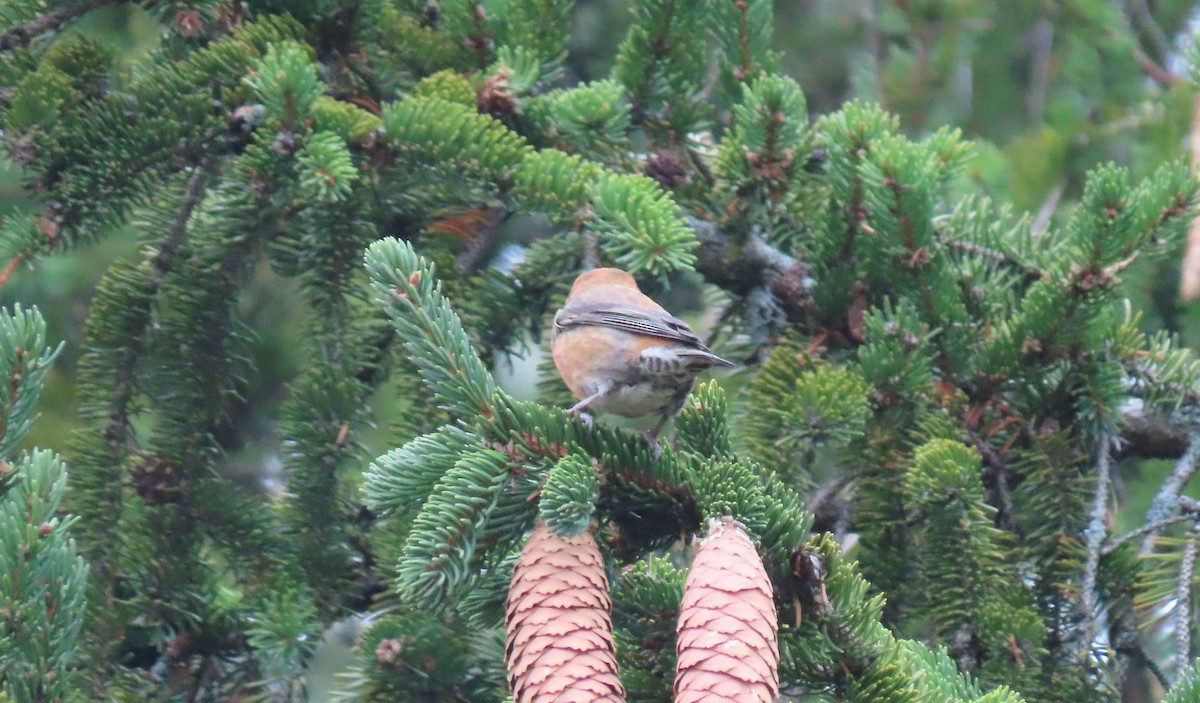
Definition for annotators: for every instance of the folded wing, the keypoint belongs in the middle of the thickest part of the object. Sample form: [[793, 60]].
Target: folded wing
[[629, 318], [693, 355]]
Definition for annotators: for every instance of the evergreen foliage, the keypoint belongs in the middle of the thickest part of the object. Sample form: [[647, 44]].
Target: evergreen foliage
[[42, 577], [921, 445]]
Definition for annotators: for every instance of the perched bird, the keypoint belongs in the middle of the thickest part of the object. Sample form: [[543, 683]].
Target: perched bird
[[621, 353]]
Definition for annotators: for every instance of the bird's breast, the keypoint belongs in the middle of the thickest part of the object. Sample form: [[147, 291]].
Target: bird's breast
[[640, 399], [591, 359]]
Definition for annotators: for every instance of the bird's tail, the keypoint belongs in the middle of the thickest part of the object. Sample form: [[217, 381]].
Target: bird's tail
[[701, 359]]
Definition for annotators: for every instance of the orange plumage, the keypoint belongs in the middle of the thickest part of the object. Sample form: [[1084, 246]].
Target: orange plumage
[[620, 352]]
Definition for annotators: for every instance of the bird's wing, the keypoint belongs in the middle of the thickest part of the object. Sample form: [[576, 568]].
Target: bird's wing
[[628, 318]]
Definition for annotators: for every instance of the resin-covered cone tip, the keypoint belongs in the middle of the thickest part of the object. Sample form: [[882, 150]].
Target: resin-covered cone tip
[[726, 643], [559, 645]]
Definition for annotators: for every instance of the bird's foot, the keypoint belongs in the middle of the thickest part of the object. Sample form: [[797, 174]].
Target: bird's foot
[[651, 437], [585, 418]]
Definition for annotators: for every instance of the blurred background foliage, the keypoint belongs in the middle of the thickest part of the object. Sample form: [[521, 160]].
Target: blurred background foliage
[[1047, 90]]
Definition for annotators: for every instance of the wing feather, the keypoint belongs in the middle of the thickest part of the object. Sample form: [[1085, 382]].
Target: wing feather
[[629, 318]]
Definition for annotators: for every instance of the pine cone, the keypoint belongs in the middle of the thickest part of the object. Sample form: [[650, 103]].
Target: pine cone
[[726, 642], [559, 622]]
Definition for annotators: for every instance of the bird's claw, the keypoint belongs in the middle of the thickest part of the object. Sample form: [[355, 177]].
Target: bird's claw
[[651, 437], [585, 418]]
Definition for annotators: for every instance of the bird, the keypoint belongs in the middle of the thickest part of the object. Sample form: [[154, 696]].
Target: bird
[[621, 353]]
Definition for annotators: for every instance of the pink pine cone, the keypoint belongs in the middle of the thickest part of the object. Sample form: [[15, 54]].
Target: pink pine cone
[[559, 643], [726, 640]]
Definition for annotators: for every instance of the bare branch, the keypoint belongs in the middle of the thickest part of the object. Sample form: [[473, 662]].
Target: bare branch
[[774, 284], [870, 15], [1031, 273], [1164, 504], [1139, 10], [1043, 41], [1096, 530], [1155, 527], [1183, 602], [1042, 220], [1149, 438], [1159, 74], [8, 270], [21, 34]]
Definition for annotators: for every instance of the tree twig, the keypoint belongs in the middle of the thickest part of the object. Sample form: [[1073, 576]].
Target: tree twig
[[21, 34], [1183, 602], [1096, 530], [1159, 74], [1031, 273], [8, 270], [1155, 527], [487, 221], [591, 249], [1043, 41], [870, 13], [774, 283], [1164, 503], [1042, 220], [1139, 11], [824, 502], [1149, 438]]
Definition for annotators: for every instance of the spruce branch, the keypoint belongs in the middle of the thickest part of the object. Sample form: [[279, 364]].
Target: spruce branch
[[568, 499], [169, 118], [637, 223], [702, 426], [401, 480], [1187, 685], [438, 554], [25, 360], [662, 64], [42, 583], [918, 258], [430, 329], [112, 399], [42, 579]]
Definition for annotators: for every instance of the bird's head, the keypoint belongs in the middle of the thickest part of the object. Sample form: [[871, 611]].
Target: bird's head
[[602, 277]]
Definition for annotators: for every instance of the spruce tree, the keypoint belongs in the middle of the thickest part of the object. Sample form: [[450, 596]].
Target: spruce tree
[[915, 465]]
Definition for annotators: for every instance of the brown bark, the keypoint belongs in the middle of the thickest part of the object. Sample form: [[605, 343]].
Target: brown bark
[[559, 622], [726, 639]]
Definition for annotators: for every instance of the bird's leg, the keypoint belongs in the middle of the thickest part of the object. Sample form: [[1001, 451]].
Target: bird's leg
[[577, 410], [651, 435]]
